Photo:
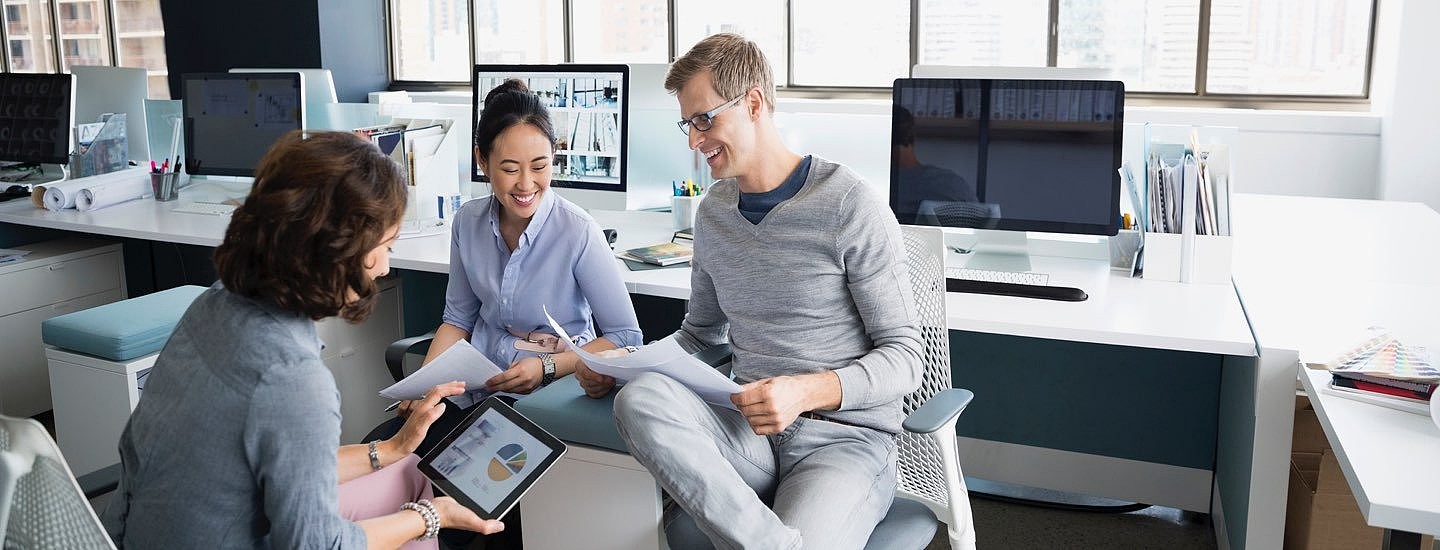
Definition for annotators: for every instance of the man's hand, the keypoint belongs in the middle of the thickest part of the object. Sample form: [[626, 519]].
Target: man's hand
[[423, 413], [523, 376], [772, 404]]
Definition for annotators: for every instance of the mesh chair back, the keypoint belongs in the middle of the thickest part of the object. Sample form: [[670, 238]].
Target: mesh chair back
[[920, 470], [978, 215], [38, 494]]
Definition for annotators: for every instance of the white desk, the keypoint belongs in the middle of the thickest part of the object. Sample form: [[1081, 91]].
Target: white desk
[[1388, 458], [1121, 311], [1313, 273]]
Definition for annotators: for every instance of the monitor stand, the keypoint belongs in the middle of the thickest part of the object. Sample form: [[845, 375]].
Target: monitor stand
[[999, 251]]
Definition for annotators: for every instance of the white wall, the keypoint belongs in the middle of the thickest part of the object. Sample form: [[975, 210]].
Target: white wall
[[1407, 85], [1279, 152]]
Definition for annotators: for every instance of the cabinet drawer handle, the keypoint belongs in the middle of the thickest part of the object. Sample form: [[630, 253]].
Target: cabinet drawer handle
[[57, 266], [347, 352]]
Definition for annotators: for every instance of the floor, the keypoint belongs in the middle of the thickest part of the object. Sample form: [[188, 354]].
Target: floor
[[1006, 516]]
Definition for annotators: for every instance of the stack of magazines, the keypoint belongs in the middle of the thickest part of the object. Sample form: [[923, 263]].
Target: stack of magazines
[[1386, 372]]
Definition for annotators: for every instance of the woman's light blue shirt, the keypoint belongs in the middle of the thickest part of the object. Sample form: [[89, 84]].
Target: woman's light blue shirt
[[562, 263]]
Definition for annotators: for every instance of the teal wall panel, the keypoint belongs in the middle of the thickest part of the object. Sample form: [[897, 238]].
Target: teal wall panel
[[1142, 404], [1237, 446]]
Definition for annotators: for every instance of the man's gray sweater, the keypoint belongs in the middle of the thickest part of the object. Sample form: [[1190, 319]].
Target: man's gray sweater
[[819, 284]]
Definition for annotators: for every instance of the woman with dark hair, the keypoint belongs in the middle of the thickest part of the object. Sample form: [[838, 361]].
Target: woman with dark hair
[[524, 250], [235, 443]]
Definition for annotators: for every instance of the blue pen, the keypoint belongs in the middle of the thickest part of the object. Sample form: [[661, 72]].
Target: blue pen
[[440, 206], [675, 185]]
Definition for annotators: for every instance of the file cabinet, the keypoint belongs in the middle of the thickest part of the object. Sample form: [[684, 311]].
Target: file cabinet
[[57, 277]]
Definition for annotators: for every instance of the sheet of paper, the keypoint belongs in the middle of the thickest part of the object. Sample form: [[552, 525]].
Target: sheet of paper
[[461, 362], [664, 357]]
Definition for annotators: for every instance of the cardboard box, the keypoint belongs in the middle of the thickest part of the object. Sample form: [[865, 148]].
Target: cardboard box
[[1321, 512], [1308, 436]]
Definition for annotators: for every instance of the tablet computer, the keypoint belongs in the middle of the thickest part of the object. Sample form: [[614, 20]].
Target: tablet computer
[[491, 459]]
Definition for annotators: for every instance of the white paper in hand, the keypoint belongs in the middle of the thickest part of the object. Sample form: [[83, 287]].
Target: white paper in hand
[[664, 357], [461, 362]]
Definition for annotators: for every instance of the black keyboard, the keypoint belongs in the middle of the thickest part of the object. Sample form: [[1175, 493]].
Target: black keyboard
[[1062, 293]]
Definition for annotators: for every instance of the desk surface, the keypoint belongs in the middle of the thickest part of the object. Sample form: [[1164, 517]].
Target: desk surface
[[1388, 457], [1315, 272], [1121, 310]]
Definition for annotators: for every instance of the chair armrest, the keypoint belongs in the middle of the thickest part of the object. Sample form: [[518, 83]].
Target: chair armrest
[[940, 411], [715, 356], [100, 481], [395, 353]]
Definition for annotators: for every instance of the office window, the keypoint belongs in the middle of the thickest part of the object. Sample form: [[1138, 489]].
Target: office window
[[1285, 47], [513, 32], [430, 40], [1251, 49], [83, 28], [990, 33], [619, 31], [1150, 44], [84, 36], [141, 36], [849, 43], [762, 21], [27, 27]]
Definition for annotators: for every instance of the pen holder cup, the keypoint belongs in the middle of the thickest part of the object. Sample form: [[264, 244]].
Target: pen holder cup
[[1123, 247], [165, 186], [682, 209]]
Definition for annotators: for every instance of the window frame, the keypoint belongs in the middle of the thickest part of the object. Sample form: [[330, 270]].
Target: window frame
[[1198, 98]]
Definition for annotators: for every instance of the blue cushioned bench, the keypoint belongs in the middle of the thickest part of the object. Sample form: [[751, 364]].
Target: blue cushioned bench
[[96, 360], [123, 330], [563, 409]]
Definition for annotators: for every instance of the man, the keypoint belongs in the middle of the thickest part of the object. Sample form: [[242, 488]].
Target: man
[[799, 261]]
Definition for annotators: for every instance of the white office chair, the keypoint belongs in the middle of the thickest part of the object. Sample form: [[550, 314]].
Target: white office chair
[[928, 466], [41, 504]]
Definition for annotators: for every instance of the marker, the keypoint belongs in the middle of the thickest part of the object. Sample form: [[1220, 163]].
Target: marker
[[154, 169]]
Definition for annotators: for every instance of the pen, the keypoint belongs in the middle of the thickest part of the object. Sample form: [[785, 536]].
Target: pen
[[392, 407]]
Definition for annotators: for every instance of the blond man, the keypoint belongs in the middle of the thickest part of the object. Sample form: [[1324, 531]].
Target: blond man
[[798, 264]]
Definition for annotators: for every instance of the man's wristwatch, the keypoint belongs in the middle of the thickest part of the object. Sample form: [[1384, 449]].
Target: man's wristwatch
[[547, 369]]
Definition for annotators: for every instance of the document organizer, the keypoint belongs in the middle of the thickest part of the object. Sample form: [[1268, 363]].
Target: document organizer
[[430, 160], [109, 152], [1186, 210]]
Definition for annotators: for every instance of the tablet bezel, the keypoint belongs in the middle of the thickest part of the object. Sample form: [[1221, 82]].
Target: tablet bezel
[[554, 444]]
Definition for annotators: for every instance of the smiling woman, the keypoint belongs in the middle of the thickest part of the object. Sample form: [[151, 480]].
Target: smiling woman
[[520, 252]]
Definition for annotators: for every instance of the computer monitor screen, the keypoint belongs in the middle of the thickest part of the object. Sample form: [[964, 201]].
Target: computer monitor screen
[[1020, 155], [35, 117], [589, 105], [231, 120]]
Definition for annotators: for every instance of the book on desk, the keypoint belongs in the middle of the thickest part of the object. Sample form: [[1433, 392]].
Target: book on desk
[[662, 254], [1384, 371]]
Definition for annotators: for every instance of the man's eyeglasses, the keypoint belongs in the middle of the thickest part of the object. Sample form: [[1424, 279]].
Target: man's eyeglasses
[[704, 121]]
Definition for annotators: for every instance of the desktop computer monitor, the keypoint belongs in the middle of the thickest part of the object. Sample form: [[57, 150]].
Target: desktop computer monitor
[[319, 90], [36, 113], [589, 105], [232, 119], [1009, 155]]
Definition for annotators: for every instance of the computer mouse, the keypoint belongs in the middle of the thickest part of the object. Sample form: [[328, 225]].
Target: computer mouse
[[17, 190]]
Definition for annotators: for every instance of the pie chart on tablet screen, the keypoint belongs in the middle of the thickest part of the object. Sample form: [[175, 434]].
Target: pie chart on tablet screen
[[508, 461]]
